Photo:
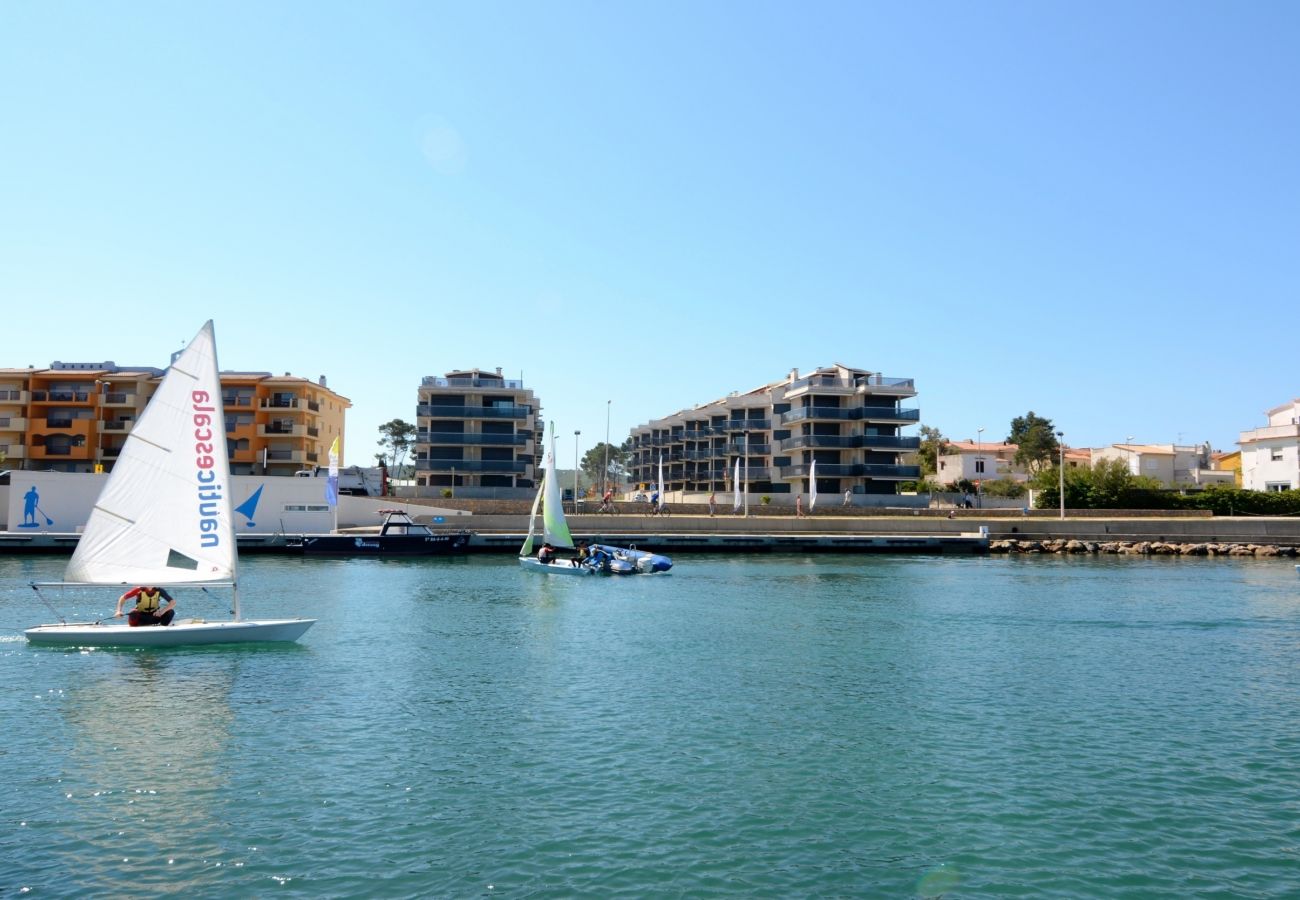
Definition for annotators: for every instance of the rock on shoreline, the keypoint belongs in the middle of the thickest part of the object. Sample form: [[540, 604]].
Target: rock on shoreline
[[1141, 548]]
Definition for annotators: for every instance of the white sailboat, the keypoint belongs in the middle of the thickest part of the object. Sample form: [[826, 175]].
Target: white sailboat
[[164, 517], [555, 529]]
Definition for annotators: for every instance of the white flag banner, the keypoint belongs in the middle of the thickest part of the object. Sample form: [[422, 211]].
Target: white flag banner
[[736, 482], [663, 488], [812, 485]]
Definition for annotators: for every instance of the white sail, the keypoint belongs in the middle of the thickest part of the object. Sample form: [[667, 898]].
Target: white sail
[[663, 488], [812, 485], [164, 515], [736, 482]]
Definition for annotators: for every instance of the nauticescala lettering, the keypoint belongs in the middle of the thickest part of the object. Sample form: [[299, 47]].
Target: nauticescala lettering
[[209, 491]]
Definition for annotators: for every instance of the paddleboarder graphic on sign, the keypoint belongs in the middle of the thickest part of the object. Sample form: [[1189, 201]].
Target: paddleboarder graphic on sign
[[31, 508]]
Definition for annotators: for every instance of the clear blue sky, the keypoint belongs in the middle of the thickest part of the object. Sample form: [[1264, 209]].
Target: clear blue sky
[[1089, 210]]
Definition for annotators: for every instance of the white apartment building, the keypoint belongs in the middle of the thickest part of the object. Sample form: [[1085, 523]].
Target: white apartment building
[[1270, 456]]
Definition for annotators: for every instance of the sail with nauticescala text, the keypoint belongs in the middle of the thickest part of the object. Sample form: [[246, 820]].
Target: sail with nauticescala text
[[164, 515]]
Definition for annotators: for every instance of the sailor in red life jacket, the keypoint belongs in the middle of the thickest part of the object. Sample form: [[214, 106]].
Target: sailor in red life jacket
[[146, 612]]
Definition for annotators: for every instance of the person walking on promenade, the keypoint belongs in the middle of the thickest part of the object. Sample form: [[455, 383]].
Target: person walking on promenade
[[798, 507], [713, 504]]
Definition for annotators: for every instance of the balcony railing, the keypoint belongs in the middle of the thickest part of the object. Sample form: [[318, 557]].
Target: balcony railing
[[13, 423], [60, 396], [278, 429], [734, 425], [124, 425], [491, 383], [852, 413], [233, 400], [473, 412], [7, 396], [463, 439], [739, 449], [834, 381], [472, 465], [856, 470], [850, 442]]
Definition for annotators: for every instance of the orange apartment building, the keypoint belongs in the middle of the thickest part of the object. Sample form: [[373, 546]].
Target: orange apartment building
[[74, 417]]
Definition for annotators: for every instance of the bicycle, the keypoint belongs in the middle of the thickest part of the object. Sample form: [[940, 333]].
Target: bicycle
[[661, 510], [606, 506]]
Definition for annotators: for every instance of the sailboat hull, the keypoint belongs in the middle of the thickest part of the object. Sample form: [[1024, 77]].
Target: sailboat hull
[[178, 634], [560, 567]]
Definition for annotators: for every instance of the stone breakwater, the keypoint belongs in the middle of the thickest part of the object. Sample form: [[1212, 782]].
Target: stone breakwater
[[1141, 548]]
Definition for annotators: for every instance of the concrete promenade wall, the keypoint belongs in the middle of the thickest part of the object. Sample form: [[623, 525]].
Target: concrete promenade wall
[[1280, 531]]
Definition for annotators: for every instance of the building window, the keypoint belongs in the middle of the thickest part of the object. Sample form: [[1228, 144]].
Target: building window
[[1277, 486], [1276, 454], [979, 467]]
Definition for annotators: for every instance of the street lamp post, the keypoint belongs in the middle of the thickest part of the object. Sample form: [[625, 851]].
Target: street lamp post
[[979, 467], [604, 480], [575, 470], [1061, 445]]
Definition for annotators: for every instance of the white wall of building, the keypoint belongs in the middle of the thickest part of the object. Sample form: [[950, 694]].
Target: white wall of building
[[1270, 456], [63, 500]]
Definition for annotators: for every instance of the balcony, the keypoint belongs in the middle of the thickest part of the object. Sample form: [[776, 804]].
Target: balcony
[[119, 399], [856, 470], [59, 451], [852, 414], [236, 400], [497, 466], [63, 424], [294, 456], [287, 403], [473, 412], [464, 439], [8, 396], [278, 429], [124, 425], [73, 396], [851, 442], [734, 425], [13, 423], [739, 449], [871, 384], [488, 383]]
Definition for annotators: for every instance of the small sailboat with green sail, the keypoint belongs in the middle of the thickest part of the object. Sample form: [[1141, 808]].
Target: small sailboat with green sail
[[555, 529]]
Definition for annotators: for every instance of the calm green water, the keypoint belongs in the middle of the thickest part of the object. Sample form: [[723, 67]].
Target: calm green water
[[756, 726]]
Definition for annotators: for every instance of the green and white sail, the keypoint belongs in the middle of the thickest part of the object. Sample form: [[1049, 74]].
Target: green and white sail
[[555, 530], [527, 548]]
